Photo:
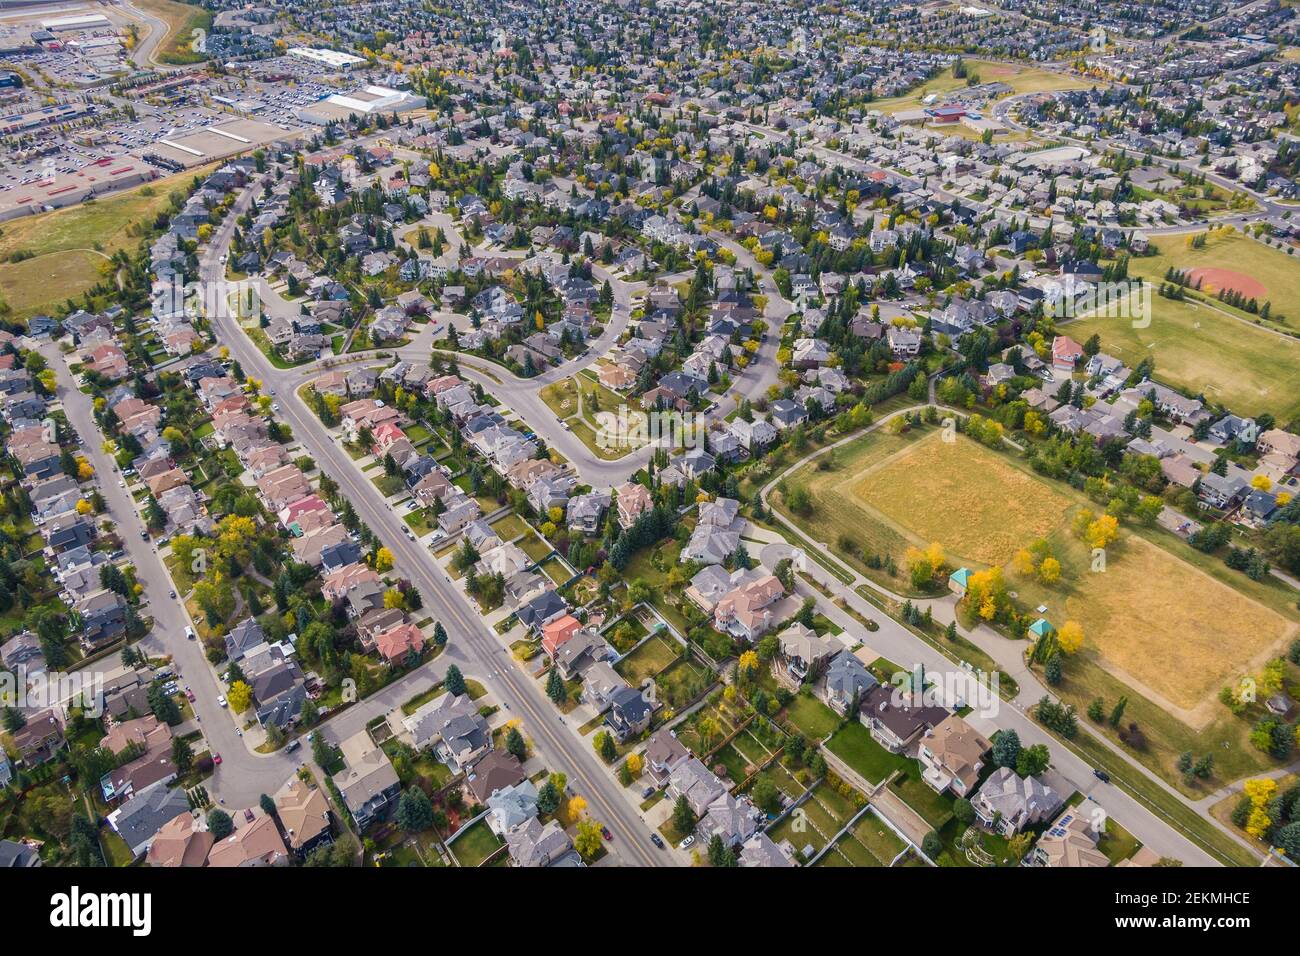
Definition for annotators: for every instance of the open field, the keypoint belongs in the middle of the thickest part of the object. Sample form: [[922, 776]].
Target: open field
[[182, 19], [38, 285], [1249, 369], [958, 493], [1137, 618], [1021, 78], [103, 225], [1141, 631], [1277, 273], [69, 247]]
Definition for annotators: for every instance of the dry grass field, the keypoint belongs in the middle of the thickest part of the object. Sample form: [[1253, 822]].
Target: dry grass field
[[980, 507], [1173, 630]]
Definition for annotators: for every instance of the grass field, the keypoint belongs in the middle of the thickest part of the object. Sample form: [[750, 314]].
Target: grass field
[[182, 20], [1278, 272], [38, 285], [977, 505], [1137, 618], [1020, 77], [1141, 630], [1249, 369], [69, 247]]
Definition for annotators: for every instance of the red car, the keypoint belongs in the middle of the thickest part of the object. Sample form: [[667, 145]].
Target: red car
[[216, 758], [604, 831]]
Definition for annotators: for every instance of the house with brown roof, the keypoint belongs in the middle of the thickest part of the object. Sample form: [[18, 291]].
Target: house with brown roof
[[952, 755], [896, 724], [1070, 841], [256, 841], [40, 738], [495, 771], [180, 842], [305, 817], [747, 612]]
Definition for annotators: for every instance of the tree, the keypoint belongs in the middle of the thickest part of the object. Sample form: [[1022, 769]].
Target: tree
[[1033, 760], [454, 681], [683, 816], [383, 560], [931, 845], [555, 688], [414, 811], [587, 841], [515, 744], [1006, 748], [267, 805], [182, 754], [219, 824], [548, 798], [439, 634], [1070, 637], [240, 696], [963, 811]]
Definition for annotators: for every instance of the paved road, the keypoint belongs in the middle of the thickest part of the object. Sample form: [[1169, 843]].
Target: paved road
[[243, 775], [486, 657]]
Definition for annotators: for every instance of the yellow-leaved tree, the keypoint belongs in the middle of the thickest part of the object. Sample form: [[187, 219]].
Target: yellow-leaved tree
[[1070, 637]]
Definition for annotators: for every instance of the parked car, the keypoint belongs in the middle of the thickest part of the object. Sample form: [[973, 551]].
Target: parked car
[[216, 759], [647, 793], [221, 700], [604, 831], [1101, 775], [657, 840], [687, 843]]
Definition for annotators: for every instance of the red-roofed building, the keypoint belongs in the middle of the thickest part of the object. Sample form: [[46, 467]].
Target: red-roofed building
[[1065, 353], [557, 632], [396, 642]]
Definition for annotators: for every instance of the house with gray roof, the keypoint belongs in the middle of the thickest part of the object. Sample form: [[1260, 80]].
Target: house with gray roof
[[138, 820], [846, 679], [1008, 802]]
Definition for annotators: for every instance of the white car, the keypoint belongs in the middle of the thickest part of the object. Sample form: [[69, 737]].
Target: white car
[[221, 700], [687, 843]]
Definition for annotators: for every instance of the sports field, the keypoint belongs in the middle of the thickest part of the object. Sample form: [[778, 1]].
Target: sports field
[[1174, 631], [1199, 348], [1274, 274], [956, 492]]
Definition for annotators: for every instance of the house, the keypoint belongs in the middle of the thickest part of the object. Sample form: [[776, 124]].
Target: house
[[787, 414], [451, 726], [368, 783], [255, 841], [633, 499], [599, 684], [558, 631], [846, 680], [243, 638], [629, 713], [495, 772], [747, 611], [803, 654], [305, 816], [583, 513], [139, 820], [535, 845], [761, 851], [1066, 353], [1008, 802], [896, 725], [575, 655], [39, 739], [952, 755], [694, 781], [663, 752], [1070, 841], [180, 843], [512, 807], [18, 856], [731, 819]]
